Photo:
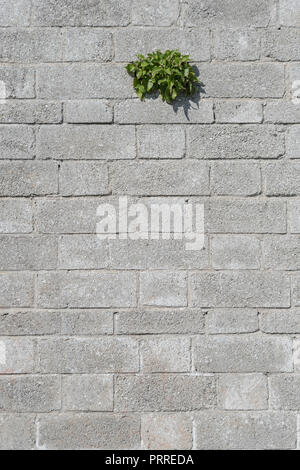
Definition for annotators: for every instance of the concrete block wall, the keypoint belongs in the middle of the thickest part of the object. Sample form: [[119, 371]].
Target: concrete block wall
[[142, 344]]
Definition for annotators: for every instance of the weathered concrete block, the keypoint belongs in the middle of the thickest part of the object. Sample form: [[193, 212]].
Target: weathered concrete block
[[243, 392], [88, 355], [240, 289], [88, 44], [16, 289], [87, 322], [28, 322], [17, 432], [243, 80], [30, 112], [284, 392], [292, 142], [160, 178], [16, 142], [19, 81], [235, 252], [280, 321], [164, 392], [30, 393], [229, 14], [86, 142], [156, 112], [83, 178], [88, 111], [246, 216], [282, 253], [281, 44], [66, 215], [17, 355], [235, 320], [282, 112], [15, 13], [296, 291], [238, 112], [65, 81], [28, 178], [155, 12], [161, 142], [245, 353], [87, 392], [235, 178], [86, 289], [236, 44], [82, 252], [21, 252], [167, 289], [296, 354], [156, 254], [130, 42], [294, 216], [89, 431], [30, 45], [238, 430], [166, 431], [16, 216], [165, 354], [232, 142], [66, 13], [178, 321], [282, 179], [289, 13]]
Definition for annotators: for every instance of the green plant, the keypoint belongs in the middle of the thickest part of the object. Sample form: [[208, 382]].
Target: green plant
[[167, 72]]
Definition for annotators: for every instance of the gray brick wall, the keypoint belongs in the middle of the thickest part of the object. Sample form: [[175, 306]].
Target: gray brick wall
[[126, 344]]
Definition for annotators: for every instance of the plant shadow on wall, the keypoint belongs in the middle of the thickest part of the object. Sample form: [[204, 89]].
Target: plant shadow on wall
[[168, 75]]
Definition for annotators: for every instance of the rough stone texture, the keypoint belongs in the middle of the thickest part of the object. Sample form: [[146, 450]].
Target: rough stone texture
[[30, 393], [164, 392], [234, 320], [165, 355], [84, 289], [160, 142], [88, 111], [28, 178], [280, 321], [181, 321], [155, 12], [87, 392], [163, 289], [243, 392], [236, 44], [129, 43], [232, 142], [16, 142], [235, 179], [160, 178], [166, 431], [123, 344], [284, 392], [242, 112], [252, 430], [83, 178], [88, 431], [242, 354], [17, 355], [240, 289], [229, 14], [235, 252], [69, 142], [90, 355]]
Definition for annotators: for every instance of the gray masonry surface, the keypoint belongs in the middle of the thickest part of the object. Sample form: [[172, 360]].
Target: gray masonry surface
[[129, 344]]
